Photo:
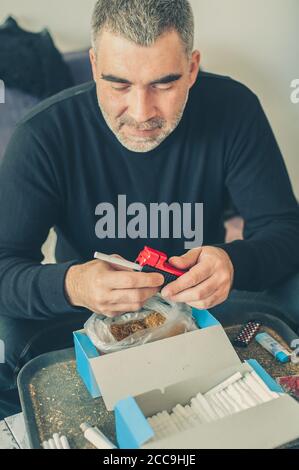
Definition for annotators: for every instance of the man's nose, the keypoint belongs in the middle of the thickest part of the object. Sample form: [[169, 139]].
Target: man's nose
[[141, 106]]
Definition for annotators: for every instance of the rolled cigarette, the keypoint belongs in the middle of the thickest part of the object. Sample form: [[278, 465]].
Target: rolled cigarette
[[204, 403], [164, 432], [229, 401], [224, 384], [156, 425], [202, 415], [217, 399], [57, 441], [193, 418], [217, 408], [158, 433], [258, 387], [226, 402], [243, 396], [165, 415], [160, 426], [150, 421], [255, 395], [168, 424], [171, 426], [64, 442], [178, 413], [96, 437], [52, 444], [202, 409], [234, 402], [257, 378], [159, 420], [181, 411], [177, 422], [236, 397], [248, 394], [152, 424]]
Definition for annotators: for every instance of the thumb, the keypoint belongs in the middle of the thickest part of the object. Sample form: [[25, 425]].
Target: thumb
[[187, 260]]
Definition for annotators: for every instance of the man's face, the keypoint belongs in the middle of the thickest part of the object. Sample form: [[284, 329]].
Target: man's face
[[142, 91]]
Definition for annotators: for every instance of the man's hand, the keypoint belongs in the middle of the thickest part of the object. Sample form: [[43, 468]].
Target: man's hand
[[208, 281], [109, 289]]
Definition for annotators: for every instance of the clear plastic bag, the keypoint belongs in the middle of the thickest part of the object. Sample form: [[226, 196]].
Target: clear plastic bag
[[177, 320]]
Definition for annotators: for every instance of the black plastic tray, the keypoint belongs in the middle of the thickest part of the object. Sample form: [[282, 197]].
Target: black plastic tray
[[54, 399], [51, 379]]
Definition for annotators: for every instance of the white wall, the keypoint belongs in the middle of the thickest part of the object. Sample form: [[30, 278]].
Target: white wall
[[254, 41], [257, 42], [67, 20]]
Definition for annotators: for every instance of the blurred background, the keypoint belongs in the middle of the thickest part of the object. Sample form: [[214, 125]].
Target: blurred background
[[256, 42]]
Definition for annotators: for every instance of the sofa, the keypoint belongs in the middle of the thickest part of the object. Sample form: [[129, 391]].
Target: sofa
[[17, 103]]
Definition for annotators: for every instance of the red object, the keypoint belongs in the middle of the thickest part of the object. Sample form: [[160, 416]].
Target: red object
[[290, 384], [157, 259]]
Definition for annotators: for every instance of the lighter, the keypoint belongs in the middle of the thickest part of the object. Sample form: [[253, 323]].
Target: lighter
[[148, 260]]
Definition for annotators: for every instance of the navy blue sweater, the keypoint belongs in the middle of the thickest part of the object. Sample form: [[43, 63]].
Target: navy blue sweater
[[63, 161]]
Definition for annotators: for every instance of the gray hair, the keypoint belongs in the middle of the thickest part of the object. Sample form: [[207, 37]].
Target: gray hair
[[144, 21]]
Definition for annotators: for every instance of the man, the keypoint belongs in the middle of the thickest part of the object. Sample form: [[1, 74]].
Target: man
[[152, 129]]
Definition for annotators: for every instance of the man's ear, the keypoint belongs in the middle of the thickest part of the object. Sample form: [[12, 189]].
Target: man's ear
[[93, 61], [194, 67]]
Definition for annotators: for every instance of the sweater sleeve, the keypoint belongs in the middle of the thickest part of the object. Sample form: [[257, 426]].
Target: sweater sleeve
[[257, 180], [30, 204]]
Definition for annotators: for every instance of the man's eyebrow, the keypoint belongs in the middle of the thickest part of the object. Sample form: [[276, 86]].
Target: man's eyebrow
[[173, 77], [113, 78]]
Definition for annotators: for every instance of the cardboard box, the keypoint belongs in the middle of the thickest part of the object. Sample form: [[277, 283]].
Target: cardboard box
[[141, 381], [265, 426], [95, 369]]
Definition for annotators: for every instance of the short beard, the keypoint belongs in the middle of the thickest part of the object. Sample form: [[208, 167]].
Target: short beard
[[144, 144]]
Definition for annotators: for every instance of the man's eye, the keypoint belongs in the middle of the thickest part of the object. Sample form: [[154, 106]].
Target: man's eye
[[121, 88], [163, 86]]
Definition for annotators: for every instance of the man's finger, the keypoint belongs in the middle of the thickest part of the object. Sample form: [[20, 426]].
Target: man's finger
[[198, 293], [187, 260], [131, 280], [215, 299], [120, 296], [196, 275]]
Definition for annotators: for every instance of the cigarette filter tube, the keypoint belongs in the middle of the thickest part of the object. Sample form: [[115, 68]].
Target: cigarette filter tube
[[96, 437], [224, 384]]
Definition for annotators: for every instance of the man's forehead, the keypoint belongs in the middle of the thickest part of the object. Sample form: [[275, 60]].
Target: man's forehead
[[120, 57]]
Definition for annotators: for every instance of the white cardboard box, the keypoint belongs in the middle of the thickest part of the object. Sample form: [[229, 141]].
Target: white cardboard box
[[141, 381]]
